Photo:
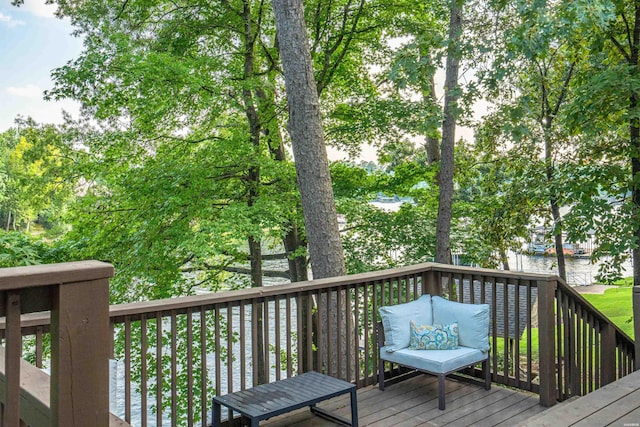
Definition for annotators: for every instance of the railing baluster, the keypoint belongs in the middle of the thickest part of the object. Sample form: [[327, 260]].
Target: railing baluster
[[159, 373], [174, 370], [288, 335], [204, 402], [278, 347], [243, 348], [190, 413], [13, 345], [127, 369], [143, 369]]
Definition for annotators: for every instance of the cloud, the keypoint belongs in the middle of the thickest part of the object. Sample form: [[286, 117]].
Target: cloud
[[28, 91], [39, 8], [9, 21]]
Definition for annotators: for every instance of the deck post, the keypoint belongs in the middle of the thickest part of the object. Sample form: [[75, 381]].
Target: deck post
[[636, 324], [80, 353], [431, 284], [546, 334]]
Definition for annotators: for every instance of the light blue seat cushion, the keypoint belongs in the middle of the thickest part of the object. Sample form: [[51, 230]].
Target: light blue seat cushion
[[396, 321], [435, 361], [473, 321]]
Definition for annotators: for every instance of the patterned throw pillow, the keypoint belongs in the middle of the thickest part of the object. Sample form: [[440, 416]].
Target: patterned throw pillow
[[433, 337]]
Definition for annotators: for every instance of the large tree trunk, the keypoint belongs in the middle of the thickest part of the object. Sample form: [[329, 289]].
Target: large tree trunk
[[445, 203], [307, 140], [292, 240], [312, 169]]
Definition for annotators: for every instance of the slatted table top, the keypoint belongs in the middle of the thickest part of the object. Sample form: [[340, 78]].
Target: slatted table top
[[268, 400]]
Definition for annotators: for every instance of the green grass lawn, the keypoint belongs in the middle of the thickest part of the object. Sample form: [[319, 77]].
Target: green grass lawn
[[616, 304]]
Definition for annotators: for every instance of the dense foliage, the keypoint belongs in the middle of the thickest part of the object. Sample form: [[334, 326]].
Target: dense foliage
[[180, 171]]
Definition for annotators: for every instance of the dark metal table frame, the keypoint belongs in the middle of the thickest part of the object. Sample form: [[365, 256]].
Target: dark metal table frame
[[269, 400]]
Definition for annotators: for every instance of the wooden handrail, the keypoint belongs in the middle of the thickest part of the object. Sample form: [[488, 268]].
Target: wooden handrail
[[77, 295], [225, 323]]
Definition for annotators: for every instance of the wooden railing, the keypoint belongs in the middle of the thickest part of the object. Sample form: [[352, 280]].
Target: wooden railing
[[545, 337], [77, 295]]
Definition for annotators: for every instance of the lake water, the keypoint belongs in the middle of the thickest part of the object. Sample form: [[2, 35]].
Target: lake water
[[580, 271]]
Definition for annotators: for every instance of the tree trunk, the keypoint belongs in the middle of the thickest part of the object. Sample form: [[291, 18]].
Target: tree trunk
[[504, 259], [307, 140], [292, 240], [445, 202], [553, 201], [312, 170], [253, 184], [428, 89]]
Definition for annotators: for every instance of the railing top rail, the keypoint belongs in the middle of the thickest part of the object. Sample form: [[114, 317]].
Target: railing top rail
[[50, 274], [507, 274], [118, 312]]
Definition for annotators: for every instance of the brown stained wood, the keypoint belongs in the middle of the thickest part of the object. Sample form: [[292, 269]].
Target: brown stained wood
[[127, 370], [190, 413], [494, 334], [368, 325], [159, 373], [204, 405], [289, 332], [607, 355], [35, 396], [546, 333], [80, 372], [350, 338], [636, 324], [143, 371], [174, 371], [265, 333], [278, 346], [218, 351], [243, 351], [47, 274], [13, 351], [516, 330], [39, 332]]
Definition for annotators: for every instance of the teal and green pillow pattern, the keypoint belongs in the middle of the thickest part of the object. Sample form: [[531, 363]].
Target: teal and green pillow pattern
[[433, 337]]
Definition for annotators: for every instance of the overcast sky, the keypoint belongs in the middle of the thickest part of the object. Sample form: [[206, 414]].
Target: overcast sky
[[32, 43]]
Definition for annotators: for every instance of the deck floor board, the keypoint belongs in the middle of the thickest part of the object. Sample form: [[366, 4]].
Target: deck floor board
[[414, 402], [617, 403]]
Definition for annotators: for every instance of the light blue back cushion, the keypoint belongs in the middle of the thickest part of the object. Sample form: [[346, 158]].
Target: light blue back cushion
[[396, 320], [473, 321]]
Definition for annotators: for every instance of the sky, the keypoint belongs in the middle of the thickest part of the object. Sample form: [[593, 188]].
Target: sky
[[33, 42]]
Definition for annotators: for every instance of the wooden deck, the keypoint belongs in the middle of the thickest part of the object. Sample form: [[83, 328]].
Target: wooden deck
[[616, 404], [414, 402]]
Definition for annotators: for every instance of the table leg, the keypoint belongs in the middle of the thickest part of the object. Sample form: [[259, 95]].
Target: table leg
[[216, 415], [354, 409]]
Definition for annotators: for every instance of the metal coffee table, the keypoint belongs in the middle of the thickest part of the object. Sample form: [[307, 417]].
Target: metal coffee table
[[268, 400]]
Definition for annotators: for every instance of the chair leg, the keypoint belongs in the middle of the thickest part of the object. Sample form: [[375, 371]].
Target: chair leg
[[441, 391], [486, 368], [380, 374]]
